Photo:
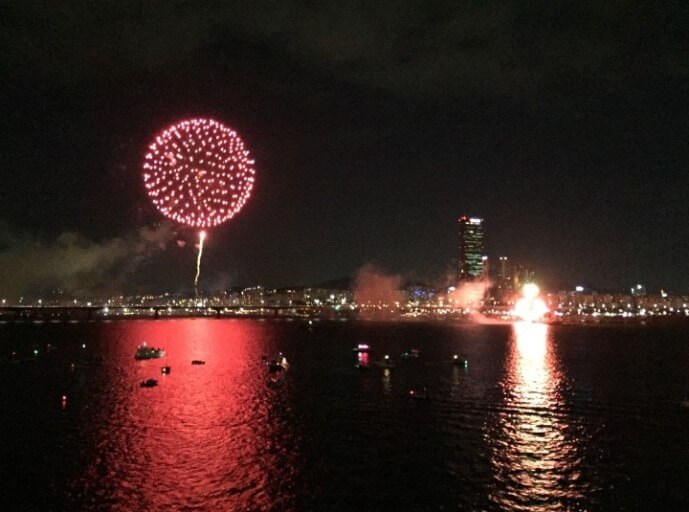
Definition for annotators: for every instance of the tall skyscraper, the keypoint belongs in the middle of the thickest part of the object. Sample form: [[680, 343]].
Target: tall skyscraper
[[485, 268], [504, 274], [522, 275], [470, 248]]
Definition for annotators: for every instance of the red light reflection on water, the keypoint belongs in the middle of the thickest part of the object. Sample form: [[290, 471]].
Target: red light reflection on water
[[534, 460], [206, 436]]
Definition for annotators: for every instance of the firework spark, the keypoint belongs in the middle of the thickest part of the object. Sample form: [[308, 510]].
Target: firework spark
[[199, 173]]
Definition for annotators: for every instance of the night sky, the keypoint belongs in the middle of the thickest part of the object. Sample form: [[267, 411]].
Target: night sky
[[564, 124]]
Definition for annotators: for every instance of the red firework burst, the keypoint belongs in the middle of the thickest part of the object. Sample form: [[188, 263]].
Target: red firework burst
[[198, 172]]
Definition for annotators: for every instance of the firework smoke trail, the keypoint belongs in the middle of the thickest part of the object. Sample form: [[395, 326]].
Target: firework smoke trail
[[202, 237]]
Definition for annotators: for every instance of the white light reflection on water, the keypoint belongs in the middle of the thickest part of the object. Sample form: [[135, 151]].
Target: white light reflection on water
[[535, 461], [387, 382]]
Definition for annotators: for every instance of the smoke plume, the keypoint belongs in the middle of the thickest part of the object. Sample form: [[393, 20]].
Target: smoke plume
[[468, 294], [374, 288], [72, 263]]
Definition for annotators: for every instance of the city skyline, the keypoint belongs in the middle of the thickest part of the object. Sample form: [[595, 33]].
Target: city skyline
[[354, 167], [472, 259], [357, 256], [505, 276]]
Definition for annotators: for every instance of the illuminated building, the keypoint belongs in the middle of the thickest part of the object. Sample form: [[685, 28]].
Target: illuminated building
[[471, 263], [522, 275], [502, 288], [485, 267], [504, 275], [503, 272]]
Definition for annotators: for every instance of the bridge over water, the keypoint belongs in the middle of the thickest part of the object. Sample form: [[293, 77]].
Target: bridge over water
[[119, 312]]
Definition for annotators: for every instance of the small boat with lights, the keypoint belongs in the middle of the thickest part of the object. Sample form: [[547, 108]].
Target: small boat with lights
[[386, 363], [418, 394], [145, 352], [165, 370], [362, 348], [149, 383], [277, 365], [459, 361], [410, 354]]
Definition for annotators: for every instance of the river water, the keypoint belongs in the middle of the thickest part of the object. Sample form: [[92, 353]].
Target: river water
[[541, 418]]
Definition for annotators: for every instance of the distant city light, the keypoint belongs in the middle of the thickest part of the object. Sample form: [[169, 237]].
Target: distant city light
[[579, 289]]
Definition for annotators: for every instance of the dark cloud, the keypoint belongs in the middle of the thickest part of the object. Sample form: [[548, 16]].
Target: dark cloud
[[439, 48]]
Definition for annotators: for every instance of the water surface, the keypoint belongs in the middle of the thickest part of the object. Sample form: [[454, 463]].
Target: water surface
[[542, 418]]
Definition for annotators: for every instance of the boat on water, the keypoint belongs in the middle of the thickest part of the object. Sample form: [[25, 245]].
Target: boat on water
[[386, 362], [145, 352], [277, 365], [149, 383], [410, 354], [198, 361], [362, 348], [459, 361], [274, 367], [165, 370]]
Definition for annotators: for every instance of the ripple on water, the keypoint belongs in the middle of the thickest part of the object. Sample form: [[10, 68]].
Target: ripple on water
[[534, 423]]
